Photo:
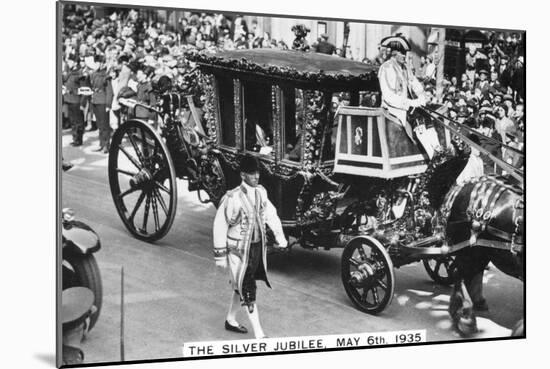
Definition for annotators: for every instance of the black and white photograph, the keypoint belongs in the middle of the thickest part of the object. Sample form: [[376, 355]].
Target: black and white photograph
[[281, 184], [241, 184]]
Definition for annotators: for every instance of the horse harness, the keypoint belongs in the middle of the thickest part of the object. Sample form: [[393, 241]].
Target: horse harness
[[481, 211]]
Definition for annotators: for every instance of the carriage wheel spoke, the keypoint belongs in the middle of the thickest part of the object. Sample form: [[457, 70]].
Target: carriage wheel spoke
[[364, 295], [130, 157], [136, 148], [362, 253], [127, 172], [127, 192], [144, 143], [157, 194], [354, 262], [375, 295], [163, 187], [155, 212], [382, 285], [138, 204], [146, 214], [448, 265]]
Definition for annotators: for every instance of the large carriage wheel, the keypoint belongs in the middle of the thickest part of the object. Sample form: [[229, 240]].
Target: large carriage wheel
[[440, 269], [143, 180], [367, 274]]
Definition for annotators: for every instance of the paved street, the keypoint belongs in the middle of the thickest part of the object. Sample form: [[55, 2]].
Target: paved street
[[174, 294]]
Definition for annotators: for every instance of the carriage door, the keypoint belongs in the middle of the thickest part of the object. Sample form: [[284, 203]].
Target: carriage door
[[260, 132]]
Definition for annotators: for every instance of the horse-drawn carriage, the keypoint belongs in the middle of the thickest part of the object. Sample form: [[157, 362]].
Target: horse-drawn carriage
[[340, 176]]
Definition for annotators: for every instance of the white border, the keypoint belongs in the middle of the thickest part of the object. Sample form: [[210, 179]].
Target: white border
[[28, 182]]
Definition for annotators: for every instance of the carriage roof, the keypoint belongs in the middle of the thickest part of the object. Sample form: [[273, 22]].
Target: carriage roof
[[297, 67]]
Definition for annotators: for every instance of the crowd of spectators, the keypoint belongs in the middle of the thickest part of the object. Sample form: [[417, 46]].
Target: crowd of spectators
[[134, 51], [489, 96]]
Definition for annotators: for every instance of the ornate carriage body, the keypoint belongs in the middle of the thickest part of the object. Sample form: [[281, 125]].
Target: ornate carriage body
[[289, 97]]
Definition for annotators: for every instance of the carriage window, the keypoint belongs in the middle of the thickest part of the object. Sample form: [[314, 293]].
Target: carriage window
[[292, 129], [329, 145], [258, 118], [227, 110]]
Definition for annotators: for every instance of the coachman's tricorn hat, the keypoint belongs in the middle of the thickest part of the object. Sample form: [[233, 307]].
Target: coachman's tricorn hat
[[397, 42], [249, 164]]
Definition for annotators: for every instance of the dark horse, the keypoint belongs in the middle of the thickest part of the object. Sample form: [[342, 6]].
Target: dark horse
[[486, 214], [483, 217]]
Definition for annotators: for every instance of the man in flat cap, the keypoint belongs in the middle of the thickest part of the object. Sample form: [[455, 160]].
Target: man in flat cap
[[240, 242], [401, 90]]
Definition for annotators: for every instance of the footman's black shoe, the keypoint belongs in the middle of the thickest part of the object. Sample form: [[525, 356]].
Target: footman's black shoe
[[98, 149], [232, 328]]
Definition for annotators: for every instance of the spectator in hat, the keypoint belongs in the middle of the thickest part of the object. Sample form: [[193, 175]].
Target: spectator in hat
[[519, 117], [73, 79], [472, 58], [505, 72], [494, 83], [453, 112], [503, 124], [491, 145], [102, 99], [462, 114], [483, 83], [508, 100], [497, 98], [114, 116], [324, 46], [144, 92]]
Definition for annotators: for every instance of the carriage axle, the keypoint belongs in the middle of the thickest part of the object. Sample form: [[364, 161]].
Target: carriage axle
[[143, 176]]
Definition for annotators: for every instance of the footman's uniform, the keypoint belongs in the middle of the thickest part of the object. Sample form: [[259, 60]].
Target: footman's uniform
[[240, 236]]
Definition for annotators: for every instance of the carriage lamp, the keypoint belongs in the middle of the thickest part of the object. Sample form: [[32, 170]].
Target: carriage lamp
[[67, 215]]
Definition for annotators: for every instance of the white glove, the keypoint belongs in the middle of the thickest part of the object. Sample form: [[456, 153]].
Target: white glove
[[282, 245], [221, 262], [421, 101]]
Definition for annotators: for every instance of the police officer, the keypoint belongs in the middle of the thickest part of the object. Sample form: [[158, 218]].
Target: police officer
[[240, 242], [401, 90], [72, 81], [102, 99]]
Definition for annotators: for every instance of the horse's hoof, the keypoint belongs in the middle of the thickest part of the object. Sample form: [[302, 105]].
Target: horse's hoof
[[466, 327]]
